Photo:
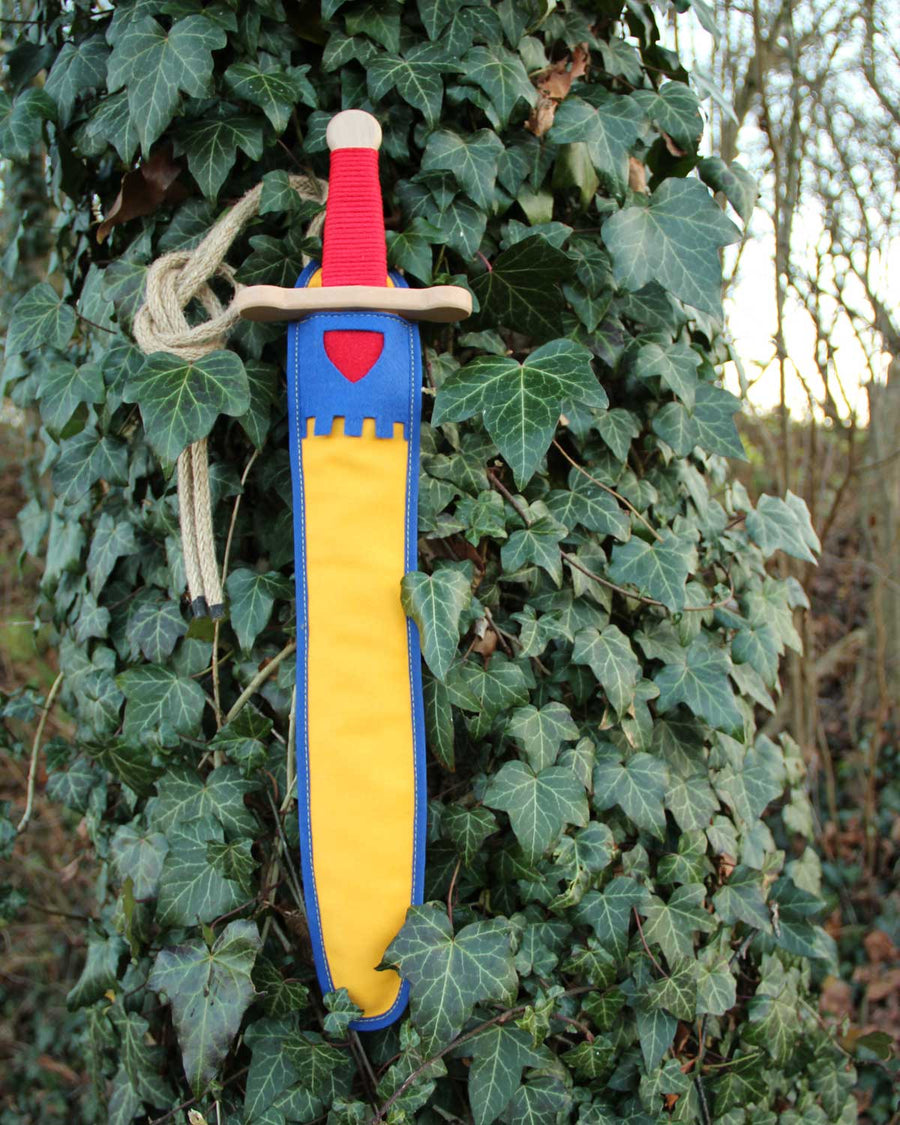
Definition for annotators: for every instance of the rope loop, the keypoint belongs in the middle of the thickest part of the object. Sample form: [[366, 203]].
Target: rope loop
[[161, 324]]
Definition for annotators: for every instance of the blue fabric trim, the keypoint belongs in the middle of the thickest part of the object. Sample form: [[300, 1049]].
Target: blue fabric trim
[[317, 390]]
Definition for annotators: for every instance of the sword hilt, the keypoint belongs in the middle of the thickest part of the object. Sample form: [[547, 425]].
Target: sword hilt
[[354, 257], [353, 245]]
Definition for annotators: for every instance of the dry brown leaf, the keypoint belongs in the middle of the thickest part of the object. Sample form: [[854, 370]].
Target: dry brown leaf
[[637, 175], [837, 997], [554, 84], [671, 146], [879, 947], [541, 116], [143, 190]]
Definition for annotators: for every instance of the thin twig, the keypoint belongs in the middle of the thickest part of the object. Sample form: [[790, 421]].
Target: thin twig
[[35, 750], [452, 889], [612, 492], [258, 680], [659, 968]]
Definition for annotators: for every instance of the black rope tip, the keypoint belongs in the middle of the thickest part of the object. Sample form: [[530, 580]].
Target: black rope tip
[[199, 608], [217, 611]]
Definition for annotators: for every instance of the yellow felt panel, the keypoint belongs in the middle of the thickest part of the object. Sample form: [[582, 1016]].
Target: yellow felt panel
[[361, 753]]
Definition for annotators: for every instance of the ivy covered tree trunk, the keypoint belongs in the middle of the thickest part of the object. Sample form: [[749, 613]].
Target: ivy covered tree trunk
[[622, 914]]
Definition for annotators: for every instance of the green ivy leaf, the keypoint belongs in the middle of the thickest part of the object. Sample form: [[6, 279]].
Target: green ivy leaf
[[609, 125], [153, 65], [659, 569], [180, 400], [699, 680], [211, 146], [499, 1055], [637, 786], [742, 1083], [733, 181], [191, 889], [182, 795], [436, 602], [139, 855], [673, 924], [416, 76], [674, 109], [537, 543], [783, 525], [161, 705], [273, 1091], [251, 597], [521, 287], [677, 992], [488, 690], [502, 76], [539, 805], [87, 458], [439, 722], [209, 991], [675, 240], [774, 1018], [243, 740], [521, 403], [741, 899], [275, 91], [610, 657], [77, 69], [467, 829], [610, 912], [112, 539], [471, 158], [155, 627], [22, 121], [618, 428], [449, 974], [542, 732], [676, 365], [64, 387], [40, 319]]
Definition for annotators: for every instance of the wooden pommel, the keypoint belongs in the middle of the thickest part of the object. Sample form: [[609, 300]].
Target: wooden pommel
[[353, 128]]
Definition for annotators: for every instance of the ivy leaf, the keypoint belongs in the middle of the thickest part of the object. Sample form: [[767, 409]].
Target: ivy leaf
[[672, 924], [676, 365], [499, 1055], [209, 990], [449, 974], [783, 525], [583, 502], [180, 400], [677, 992], [699, 680], [242, 740], [502, 76], [467, 829], [733, 181], [182, 795], [211, 146], [273, 1090], [64, 387], [713, 414], [87, 458], [542, 732], [22, 121], [155, 627], [538, 543], [743, 1083], [539, 805], [416, 76], [40, 319], [251, 598], [521, 287], [749, 787], [191, 889], [410, 249], [436, 602], [110, 123], [656, 1032], [472, 158], [153, 65], [675, 240], [637, 786], [674, 110], [774, 1020], [78, 68], [162, 706], [691, 801], [610, 127], [487, 690], [716, 988], [618, 428], [610, 657], [112, 539], [521, 403], [658, 569], [609, 912], [741, 899], [99, 972], [275, 91], [139, 856], [439, 727]]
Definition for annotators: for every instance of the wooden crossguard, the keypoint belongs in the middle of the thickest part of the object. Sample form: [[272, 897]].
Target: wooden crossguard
[[353, 221]]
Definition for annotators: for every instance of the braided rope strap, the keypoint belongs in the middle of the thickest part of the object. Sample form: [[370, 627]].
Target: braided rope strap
[[174, 281]]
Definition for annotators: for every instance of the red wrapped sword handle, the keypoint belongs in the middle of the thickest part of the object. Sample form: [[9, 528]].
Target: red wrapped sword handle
[[353, 246]]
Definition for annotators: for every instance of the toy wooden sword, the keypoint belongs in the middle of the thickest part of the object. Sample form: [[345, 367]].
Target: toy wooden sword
[[354, 386]]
